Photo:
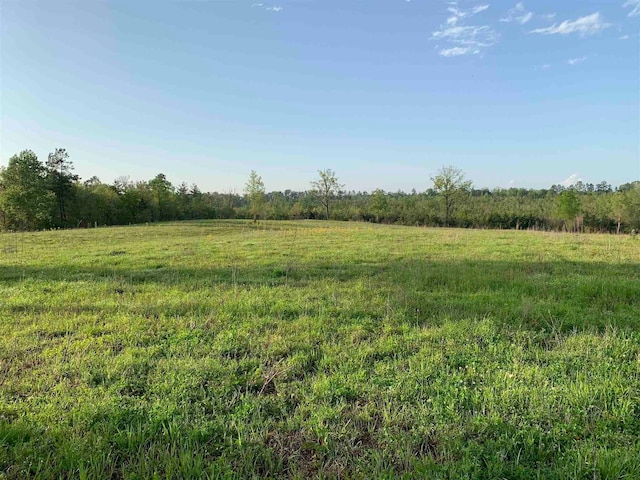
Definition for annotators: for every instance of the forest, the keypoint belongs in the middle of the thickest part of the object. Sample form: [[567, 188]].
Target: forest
[[36, 195]]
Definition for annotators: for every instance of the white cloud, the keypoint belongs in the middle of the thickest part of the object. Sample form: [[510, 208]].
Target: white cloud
[[459, 13], [479, 8], [525, 18], [272, 8], [588, 25], [546, 66], [572, 180], [481, 36], [518, 14], [575, 61], [467, 39], [457, 51], [635, 7], [464, 39]]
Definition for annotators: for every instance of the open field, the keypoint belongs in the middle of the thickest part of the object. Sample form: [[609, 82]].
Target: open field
[[302, 349]]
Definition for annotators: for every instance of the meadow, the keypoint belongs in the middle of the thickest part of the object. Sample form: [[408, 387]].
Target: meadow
[[224, 349]]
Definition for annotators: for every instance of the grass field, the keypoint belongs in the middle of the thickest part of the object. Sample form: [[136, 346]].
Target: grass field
[[316, 349]]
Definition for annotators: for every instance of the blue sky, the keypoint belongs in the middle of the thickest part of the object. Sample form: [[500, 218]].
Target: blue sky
[[384, 92]]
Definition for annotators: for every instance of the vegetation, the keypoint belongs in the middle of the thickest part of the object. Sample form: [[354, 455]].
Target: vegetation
[[34, 196], [568, 205], [452, 187], [254, 191], [325, 188], [61, 180], [25, 200], [224, 349]]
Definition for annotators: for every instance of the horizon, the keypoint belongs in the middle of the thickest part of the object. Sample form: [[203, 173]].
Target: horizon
[[572, 181], [515, 94]]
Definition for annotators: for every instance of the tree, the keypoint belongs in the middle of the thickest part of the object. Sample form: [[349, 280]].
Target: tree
[[92, 182], [24, 197], [378, 203], [603, 187], [162, 196], [631, 205], [254, 190], [568, 206], [61, 180], [451, 185], [325, 188]]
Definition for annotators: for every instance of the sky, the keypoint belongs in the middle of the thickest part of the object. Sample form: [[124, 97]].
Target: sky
[[384, 92]]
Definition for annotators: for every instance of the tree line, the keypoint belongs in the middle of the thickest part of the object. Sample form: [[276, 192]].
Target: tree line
[[36, 195]]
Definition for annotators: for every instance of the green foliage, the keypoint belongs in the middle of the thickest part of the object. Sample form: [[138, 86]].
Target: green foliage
[[452, 187], [568, 206], [318, 350], [451, 202], [61, 181], [254, 190], [378, 204], [325, 188], [630, 200], [163, 198], [25, 199]]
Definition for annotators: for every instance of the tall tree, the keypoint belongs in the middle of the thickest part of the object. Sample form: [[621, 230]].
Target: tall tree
[[254, 190], [568, 206], [451, 185], [61, 180], [25, 197], [162, 190], [325, 188]]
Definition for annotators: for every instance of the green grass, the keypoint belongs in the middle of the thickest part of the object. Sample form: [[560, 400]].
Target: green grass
[[315, 349]]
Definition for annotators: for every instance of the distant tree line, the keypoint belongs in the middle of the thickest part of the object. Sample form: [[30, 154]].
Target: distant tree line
[[36, 195]]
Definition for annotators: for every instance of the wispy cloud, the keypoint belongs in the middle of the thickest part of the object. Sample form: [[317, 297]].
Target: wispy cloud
[[525, 18], [518, 14], [634, 5], [458, 13], [575, 61], [546, 66], [457, 51], [269, 8], [587, 25], [464, 39]]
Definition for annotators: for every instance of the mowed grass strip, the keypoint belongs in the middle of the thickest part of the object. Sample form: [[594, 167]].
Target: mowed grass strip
[[223, 349]]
